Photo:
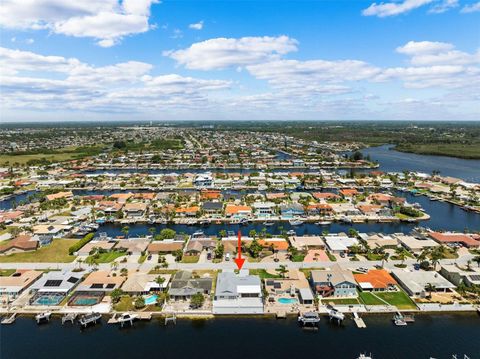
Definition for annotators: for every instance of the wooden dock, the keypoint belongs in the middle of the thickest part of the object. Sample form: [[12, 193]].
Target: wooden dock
[[358, 321]]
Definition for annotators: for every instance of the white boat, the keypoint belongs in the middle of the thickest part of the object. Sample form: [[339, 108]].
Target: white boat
[[324, 223], [42, 317], [365, 356], [268, 224], [295, 222], [291, 232], [400, 322]]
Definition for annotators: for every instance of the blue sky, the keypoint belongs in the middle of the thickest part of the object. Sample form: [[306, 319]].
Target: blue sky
[[233, 60]]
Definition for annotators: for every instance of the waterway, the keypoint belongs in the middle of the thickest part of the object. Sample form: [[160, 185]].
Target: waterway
[[438, 336], [395, 161]]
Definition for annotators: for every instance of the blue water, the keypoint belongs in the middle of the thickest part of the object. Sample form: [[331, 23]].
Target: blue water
[[151, 299], [287, 300], [395, 161], [437, 336]]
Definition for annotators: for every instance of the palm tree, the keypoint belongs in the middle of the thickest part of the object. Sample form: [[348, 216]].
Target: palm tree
[[152, 231], [435, 257], [282, 270], [430, 288], [125, 230], [400, 253], [385, 257]]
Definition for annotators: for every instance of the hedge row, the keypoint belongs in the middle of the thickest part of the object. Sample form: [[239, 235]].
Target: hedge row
[[80, 243]]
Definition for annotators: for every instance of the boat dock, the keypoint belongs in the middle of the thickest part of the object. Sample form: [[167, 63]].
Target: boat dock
[[89, 318], [358, 321], [69, 317]]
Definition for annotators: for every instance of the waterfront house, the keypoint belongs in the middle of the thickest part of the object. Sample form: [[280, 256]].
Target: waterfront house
[[13, 285], [238, 294], [133, 246], [184, 285], [339, 243], [307, 242], [90, 247], [451, 238], [319, 209], [415, 245], [376, 280], [59, 195], [336, 282], [458, 275], [165, 246], [135, 209], [325, 196], [276, 244], [203, 180], [291, 210], [188, 211], [264, 209], [47, 232], [237, 211], [53, 287], [196, 245], [212, 207], [140, 283], [348, 193], [102, 281], [417, 283]]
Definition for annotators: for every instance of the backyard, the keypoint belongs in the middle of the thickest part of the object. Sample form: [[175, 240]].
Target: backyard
[[57, 251]]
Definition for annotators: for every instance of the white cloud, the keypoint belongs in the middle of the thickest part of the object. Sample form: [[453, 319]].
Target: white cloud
[[107, 21], [221, 53], [314, 76], [423, 53], [196, 26], [31, 80], [443, 6], [393, 8], [467, 9]]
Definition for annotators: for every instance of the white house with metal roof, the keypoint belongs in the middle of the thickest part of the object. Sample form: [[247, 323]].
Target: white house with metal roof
[[238, 294]]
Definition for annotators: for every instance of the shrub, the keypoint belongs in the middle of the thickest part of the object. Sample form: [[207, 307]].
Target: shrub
[[80, 243]]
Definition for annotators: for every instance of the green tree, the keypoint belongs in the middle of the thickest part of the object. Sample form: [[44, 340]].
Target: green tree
[[255, 248], [197, 300], [116, 294], [139, 302], [126, 230], [166, 233], [219, 250]]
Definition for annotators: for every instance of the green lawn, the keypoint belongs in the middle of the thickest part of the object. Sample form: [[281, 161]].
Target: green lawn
[[125, 304], [399, 299], [341, 301], [57, 251], [262, 273], [106, 257], [6, 272], [190, 259]]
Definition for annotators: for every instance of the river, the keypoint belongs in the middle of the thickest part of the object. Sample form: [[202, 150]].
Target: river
[[395, 161], [438, 336]]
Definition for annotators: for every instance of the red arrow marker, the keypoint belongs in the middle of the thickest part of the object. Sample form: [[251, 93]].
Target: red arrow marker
[[239, 260]]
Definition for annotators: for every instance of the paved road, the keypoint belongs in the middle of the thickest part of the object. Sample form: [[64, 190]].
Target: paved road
[[227, 265]]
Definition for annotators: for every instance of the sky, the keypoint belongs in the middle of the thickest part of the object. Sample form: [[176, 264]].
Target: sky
[[101, 60]]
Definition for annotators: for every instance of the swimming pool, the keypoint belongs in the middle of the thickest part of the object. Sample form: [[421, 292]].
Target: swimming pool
[[287, 300], [151, 299], [47, 300], [85, 301]]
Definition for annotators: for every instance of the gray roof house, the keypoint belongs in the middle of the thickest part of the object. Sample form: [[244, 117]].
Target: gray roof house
[[183, 285], [336, 282], [238, 294], [416, 282]]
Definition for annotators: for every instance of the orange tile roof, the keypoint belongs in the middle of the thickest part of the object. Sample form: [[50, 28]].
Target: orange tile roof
[[233, 209], [278, 245], [188, 209], [378, 278], [349, 191], [455, 238]]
